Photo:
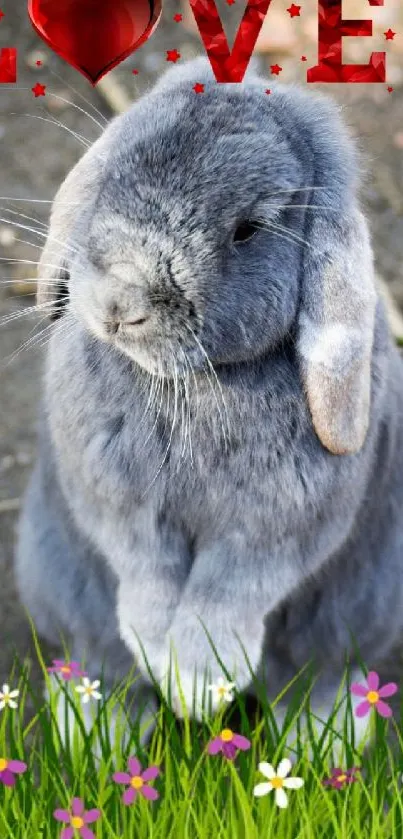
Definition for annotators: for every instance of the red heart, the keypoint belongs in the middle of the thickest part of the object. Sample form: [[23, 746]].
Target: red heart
[[94, 35]]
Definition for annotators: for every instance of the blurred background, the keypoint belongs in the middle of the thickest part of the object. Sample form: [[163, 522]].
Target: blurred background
[[41, 139]]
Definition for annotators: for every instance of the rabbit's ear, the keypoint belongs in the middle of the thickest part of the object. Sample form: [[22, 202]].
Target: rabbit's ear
[[335, 329], [80, 187]]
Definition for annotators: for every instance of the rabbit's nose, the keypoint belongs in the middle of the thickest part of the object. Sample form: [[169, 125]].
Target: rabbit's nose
[[117, 319]]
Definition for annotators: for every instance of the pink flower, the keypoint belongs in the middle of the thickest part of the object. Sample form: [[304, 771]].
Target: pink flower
[[67, 669], [9, 768], [373, 695], [228, 742], [136, 781], [341, 777], [77, 820]]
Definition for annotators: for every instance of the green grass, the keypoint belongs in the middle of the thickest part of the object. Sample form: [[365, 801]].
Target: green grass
[[201, 796]]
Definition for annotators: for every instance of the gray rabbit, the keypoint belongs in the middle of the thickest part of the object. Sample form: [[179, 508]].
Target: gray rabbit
[[221, 440]]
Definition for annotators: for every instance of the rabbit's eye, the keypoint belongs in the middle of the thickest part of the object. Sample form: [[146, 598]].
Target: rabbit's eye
[[245, 231]]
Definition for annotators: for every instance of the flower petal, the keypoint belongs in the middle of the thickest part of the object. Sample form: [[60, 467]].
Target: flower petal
[[373, 680], [14, 693], [281, 798], [362, 709], [67, 833], [215, 746], [7, 778], [150, 773], [388, 690], [134, 766], [61, 815], [358, 690], [129, 795], [229, 750], [267, 770], [121, 777], [96, 684], [284, 767], [383, 709], [293, 783], [6, 689], [241, 742], [86, 833], [91, 816], [12, 704], [77, 807], [149, 792], [17, 766], [262, 789]]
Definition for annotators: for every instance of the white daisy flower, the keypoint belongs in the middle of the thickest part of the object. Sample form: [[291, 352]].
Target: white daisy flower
[[7, 697], [277, 781], [89, 689], [222, 690]]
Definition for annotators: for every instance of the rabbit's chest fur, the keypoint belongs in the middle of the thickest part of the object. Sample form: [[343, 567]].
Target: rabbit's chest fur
[[242, 453]]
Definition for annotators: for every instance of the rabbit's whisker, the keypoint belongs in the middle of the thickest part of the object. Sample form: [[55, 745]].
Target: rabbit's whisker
[[40, 233], [290, 235], [84, 142], [80, 95], [198, 342], [170, 437], [82, 110], [29, 310]]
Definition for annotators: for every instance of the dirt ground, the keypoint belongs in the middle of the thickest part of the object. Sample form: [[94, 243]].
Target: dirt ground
[[37, 154]]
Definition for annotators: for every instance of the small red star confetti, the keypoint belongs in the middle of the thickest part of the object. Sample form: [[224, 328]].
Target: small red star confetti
[[390, 89], [198, 88], [268, 90], [275, 69], [389, 34], [135, 72], [39, 90], [38, 63], [1, 14], [230, 2], [304, 58], [293, 10], [173, 55], [177, 18]]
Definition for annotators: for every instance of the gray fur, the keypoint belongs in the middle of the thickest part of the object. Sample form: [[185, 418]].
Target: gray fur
[[238, 512]]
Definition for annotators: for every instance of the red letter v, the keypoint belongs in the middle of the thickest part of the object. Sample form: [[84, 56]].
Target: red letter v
[[229, 66]]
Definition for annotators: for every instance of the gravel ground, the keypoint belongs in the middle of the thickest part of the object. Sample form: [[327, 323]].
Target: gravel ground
[[35, 157]]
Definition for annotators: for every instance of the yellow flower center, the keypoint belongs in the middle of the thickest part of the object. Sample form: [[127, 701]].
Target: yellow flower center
[[3, 764], [222, 691], [226, 735], [276, 782], [89, 689], [372, 696], [136, 782], [341, 778], [6, 698], [65, 669], [77, 821]]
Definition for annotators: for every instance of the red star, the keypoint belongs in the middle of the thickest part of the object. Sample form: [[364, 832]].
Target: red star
[[230, 2], [275, 69], [268, 90], [389, 35], [38, 63], [1, 14], [135, 72], [39, 90], [173, 55], [390, 89], [304, 58], [198, 88], [293, 10], [177, 18]]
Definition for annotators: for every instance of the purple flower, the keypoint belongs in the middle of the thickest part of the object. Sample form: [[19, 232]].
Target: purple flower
[[67, 669], [373, 695], [228, 742], [137, 781], [77, 819], [341, 777], [9, 768]]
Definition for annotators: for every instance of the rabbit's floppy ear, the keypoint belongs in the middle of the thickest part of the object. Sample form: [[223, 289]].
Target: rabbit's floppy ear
[[335, 328], [80, 185]]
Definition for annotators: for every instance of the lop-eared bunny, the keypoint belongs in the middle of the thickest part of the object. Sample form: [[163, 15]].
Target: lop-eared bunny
[[221, 437]]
